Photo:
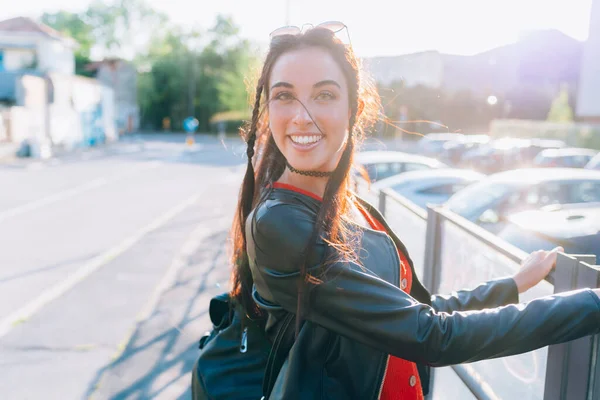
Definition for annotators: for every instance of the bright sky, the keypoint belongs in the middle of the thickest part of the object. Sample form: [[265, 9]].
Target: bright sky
[[377, 27]]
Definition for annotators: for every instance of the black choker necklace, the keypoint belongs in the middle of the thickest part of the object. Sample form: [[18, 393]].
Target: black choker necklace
[[316, 174]]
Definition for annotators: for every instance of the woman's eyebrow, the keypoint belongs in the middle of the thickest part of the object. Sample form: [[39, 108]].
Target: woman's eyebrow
[[282, 84], [327, 82], [316, 85]]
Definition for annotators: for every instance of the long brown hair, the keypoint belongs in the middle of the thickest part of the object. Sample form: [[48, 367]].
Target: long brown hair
[[330, 224]]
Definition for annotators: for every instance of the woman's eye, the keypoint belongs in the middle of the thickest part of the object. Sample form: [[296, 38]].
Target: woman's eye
[[283, 96], [325, 96]]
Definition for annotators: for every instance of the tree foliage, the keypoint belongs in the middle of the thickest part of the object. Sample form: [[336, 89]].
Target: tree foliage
[[187, 78], [560, 110], [181, 73]]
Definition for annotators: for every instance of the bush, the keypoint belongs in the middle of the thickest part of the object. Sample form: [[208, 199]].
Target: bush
[[574, 134]]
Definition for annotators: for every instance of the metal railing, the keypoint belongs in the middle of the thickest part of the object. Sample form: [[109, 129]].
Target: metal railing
[[452, 253]]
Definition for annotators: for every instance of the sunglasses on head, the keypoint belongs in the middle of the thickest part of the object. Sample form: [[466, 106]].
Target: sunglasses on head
[[333, 26]]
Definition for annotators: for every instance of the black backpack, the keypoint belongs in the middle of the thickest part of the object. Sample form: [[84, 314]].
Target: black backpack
[[238, 363]]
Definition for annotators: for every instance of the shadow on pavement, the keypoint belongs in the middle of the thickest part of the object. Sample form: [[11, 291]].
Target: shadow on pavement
[[158, 358], [73, 262]]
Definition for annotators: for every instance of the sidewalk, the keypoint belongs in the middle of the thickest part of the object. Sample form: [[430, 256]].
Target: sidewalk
[[158, 357], [8, 151]]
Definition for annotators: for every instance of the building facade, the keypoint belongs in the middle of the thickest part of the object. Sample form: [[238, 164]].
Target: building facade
[[121, 76], [588, 104], [29, 45]]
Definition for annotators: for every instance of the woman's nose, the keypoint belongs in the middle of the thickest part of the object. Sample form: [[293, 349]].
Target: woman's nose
[[301, 115]]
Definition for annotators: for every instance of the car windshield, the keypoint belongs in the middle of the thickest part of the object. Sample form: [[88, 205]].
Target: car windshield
[[477, 197], [594, 163]]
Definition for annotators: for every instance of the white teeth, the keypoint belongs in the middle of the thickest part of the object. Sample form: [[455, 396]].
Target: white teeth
[[306, 139]]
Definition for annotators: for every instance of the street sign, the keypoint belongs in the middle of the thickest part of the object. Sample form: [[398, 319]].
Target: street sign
[[190, 124]]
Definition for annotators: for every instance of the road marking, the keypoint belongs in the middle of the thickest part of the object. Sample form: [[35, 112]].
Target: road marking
[[65, 194], [188, 249], [84, 271]]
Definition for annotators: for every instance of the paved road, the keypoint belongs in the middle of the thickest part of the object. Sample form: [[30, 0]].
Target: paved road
[[107, 260]]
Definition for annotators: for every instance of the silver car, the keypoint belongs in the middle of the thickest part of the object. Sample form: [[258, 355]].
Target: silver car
[[575, 227], [430, 186], [491, 200], [594, 163], [568, 158], [383, 164]]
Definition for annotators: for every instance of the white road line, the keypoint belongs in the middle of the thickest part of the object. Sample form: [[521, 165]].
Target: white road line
[[189, 247], [84, 271], [65, 194]]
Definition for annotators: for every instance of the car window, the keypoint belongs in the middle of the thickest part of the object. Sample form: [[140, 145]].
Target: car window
[[585, 192], [580, 161], [476, 198], [541, 160], [437, 189], [594, 163], [514, 202], [372, 171], [548, 193], [415, 167], [563, 193], [447, 189], [378, 171]]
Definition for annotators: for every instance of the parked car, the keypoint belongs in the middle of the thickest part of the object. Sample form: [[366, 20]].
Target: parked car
[[523, 156], [508, 153], [432, 144], [594, 163], [495, 156], [454, 150], [430, 186], [575, 227], [491, 200], [383, 164], [567, 158]]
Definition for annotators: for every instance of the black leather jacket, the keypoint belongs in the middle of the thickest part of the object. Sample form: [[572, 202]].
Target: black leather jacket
[[359, 315]]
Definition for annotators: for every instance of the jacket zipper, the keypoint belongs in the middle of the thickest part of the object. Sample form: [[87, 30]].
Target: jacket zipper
[[244, 344], [387, 361]]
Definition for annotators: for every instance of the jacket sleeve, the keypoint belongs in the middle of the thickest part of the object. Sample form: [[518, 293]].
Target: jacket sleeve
[[490, 294], [360, 306]]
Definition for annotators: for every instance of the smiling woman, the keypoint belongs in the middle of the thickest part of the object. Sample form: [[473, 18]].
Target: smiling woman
[[306, 248], [308, 115]]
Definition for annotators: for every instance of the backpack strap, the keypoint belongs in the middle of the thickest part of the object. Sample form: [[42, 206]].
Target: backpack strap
[[284, 340]]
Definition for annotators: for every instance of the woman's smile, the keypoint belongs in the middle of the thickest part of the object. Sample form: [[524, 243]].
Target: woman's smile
[[305, 142]]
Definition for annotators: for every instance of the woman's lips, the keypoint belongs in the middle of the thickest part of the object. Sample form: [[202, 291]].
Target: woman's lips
[[305, 146]]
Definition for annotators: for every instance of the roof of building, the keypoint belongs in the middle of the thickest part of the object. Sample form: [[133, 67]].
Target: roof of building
[[28, 25], [111, 61]]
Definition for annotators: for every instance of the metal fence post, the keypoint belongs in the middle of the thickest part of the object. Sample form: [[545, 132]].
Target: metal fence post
[[593, 383], [432, 250], [382, 199], [579, 363], [568, 369], [431, 265]]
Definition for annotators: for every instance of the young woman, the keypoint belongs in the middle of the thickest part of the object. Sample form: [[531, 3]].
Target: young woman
[[305, 244]]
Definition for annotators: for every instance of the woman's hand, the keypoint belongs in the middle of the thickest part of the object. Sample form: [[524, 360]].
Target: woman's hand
[[535, 267]]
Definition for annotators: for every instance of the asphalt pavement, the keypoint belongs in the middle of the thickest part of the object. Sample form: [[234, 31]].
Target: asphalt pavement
[[108, 258]]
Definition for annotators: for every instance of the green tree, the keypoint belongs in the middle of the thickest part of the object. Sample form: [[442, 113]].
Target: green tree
[[560, 110], [202, 73], [74, 26], [124, 27]]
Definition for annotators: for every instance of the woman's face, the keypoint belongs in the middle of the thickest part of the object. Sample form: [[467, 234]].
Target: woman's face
[[311, 76]]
